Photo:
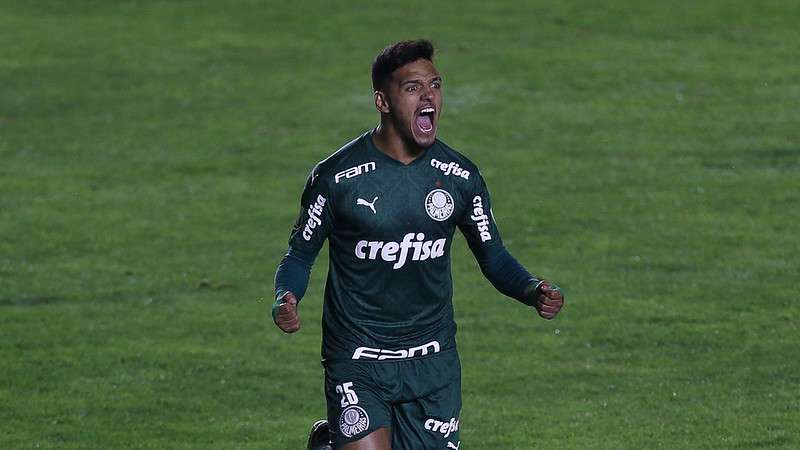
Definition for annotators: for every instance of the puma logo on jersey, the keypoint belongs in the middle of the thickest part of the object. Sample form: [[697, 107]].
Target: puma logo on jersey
[[480, 218], [363, 202], [388, 251], [314, 217], [381, 354], [453, 446], [450, 168], [355, 171], [446, 428]]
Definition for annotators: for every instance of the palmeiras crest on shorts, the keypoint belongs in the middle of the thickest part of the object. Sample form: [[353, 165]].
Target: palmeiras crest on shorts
[[439, 205], [353, 420]]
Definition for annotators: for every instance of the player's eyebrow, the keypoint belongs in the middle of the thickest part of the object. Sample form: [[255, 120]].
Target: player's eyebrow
[[418, 81], [414, 81]]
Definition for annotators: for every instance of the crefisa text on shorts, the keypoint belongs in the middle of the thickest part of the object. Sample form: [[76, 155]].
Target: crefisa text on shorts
[[445, 428]]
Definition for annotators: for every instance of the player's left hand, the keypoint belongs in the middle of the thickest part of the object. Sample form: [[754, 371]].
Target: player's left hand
[[284, 313], [549, 300]]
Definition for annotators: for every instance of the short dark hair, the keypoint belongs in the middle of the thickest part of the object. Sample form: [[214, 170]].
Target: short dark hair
[[398, 55]]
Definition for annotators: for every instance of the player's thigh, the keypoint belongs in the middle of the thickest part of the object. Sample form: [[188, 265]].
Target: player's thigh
[[430, 422], [380, 439], [356, 408]]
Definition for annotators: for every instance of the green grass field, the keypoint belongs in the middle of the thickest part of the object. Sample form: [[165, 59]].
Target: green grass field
[[644, 155]]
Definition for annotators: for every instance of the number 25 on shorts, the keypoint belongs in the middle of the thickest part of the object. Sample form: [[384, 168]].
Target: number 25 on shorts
[[349, 396]]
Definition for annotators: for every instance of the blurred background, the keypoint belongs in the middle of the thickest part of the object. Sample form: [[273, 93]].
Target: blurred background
[[644, 155]]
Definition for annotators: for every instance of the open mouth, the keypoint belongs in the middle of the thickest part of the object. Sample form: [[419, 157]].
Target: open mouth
[[425, 119]]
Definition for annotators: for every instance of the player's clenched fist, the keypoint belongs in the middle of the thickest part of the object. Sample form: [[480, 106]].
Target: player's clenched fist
[[549, 300], [284, 313]]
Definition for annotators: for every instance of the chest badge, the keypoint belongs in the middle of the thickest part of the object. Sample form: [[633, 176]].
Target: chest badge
[[439, 205]]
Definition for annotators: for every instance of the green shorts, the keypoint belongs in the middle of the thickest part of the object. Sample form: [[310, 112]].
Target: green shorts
[[418, 399]]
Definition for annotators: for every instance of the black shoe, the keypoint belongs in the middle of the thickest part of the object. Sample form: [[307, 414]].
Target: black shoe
[[320, 436]]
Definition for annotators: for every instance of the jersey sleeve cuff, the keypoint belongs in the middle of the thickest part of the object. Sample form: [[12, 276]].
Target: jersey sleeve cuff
[[529, 295]]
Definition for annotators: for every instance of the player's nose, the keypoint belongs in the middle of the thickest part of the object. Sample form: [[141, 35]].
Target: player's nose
[[427, 93]]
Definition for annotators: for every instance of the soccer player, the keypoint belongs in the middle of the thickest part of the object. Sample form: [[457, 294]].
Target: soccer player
[[388, 203]]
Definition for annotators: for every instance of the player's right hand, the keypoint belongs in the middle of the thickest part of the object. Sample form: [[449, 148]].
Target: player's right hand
[[286, 315]]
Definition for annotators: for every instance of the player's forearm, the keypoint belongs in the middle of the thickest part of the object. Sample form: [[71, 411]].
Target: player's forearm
[[293, 273], [508, 276]]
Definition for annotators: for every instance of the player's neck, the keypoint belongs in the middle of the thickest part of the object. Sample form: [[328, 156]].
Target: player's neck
[[389, 141]]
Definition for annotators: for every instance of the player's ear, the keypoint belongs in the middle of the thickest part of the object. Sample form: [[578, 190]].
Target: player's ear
[[381, 103]]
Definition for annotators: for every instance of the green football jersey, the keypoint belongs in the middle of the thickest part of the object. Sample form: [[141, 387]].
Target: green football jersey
[[390, 226]]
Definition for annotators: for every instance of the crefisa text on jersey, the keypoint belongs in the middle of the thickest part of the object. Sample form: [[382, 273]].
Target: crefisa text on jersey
[[387, 251], [480, 218], [451, 167], [314, 217], [355, 171]]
